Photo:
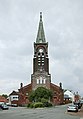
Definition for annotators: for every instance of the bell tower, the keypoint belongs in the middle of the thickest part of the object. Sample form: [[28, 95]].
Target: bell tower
[[40, 76]]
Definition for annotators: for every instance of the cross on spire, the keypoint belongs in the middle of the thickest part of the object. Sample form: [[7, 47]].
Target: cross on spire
[[40, 16]]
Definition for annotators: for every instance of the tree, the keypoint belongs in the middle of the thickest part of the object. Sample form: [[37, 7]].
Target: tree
[[4, 95], [32, 96], [39, 94]]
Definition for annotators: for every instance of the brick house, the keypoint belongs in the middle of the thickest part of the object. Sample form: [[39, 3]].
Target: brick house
[[76, 97], [41, 76]]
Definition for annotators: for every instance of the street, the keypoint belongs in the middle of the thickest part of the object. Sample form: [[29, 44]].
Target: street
[[58, 112]]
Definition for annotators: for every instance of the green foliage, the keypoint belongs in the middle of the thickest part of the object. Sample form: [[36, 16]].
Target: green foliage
[[35, 105], [46, 103], [43, 100], [4, 95], [38, 104], [39, 93], [32, 96], [40, 98], [28, 105]]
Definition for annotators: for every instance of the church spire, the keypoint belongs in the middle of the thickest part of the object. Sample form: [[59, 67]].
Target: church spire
[[40, 35]]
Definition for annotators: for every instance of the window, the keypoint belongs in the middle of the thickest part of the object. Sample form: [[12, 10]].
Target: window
[[41, 80], [37, 81], [38, 58], [15, 97], [42, 58], [44, 81], [42, 55], [54, 92], [26, 94], [39, 53], [41, 69]]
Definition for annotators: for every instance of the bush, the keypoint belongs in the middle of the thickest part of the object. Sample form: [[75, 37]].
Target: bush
[[38, 104], [42, 103], [43, 100], [46, 103], [35, 105], [30, 105]]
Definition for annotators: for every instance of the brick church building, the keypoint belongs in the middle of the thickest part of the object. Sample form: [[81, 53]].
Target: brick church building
[[41, 76]]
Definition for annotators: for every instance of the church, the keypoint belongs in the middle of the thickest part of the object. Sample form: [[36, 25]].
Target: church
[[40, 76]]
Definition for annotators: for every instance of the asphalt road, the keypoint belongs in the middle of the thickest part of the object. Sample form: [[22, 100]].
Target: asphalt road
[[58, 112]]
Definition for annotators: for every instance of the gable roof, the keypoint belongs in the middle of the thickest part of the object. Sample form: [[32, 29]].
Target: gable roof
[[14, 93]]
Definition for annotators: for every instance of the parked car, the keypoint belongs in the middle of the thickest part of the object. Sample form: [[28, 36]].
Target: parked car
[[78, 104], [1, 103], [8, 104], [72, 108], [4, 107], [14, 105], [81, 101]]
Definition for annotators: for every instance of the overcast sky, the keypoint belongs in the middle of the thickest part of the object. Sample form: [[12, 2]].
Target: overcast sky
[[63, 26]]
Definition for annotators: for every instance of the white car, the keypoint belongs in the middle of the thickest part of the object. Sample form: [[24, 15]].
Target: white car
[[4, 107], [72, 108]]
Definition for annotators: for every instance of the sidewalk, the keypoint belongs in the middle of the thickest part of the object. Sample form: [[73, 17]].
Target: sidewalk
[[80, 112]]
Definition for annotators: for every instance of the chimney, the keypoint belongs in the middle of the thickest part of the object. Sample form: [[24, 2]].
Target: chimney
[[21, 85], [60, 84]]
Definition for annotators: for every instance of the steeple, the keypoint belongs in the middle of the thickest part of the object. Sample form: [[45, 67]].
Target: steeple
[[40, 35]]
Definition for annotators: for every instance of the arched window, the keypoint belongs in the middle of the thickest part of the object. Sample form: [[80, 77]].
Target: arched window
[[37, 81], [44, 81], [41, 80]]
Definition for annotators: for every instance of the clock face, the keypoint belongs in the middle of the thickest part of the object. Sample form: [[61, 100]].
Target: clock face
[[41, 50]]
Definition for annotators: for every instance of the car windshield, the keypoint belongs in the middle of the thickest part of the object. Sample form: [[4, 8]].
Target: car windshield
[[72, 106]]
